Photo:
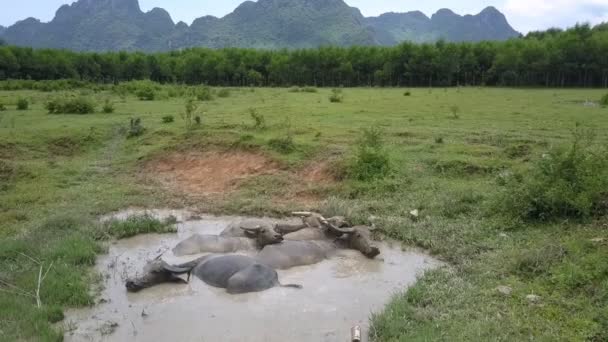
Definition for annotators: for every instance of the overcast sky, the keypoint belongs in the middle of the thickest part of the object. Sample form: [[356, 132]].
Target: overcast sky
[[524, 15]]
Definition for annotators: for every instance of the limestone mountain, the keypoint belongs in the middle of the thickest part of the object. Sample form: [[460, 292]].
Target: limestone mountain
[[490, 24], [102, 25]]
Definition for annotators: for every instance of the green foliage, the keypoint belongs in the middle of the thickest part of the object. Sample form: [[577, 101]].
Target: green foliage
[[604, 101], [454, 111], [136, 225], [22, 104], [336, 96], [309, 90], [204, 93], [136, 128], [284, 144], [2, 107], [439, 140], [407, 93], [146, 94], [565, 183], [70, 105], [168, 119], [371, 161], [188, 115], [224, 92], [259, 121], [108, 107]]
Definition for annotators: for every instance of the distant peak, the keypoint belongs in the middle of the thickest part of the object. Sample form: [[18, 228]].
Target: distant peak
[[490, 10], [445, 12]]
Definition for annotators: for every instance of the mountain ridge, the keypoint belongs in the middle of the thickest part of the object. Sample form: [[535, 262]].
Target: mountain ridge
[[102, 25]]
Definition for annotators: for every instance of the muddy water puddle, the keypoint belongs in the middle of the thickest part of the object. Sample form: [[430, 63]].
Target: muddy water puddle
[[337, 294]]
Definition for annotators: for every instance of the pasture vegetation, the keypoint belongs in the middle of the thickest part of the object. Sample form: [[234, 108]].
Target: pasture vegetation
[[511, 194]]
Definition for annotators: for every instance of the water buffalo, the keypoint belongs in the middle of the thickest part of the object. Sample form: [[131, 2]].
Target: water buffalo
[[292, 253], [258, 237], [235, 273]]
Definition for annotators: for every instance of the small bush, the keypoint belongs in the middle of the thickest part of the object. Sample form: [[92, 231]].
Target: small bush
[[283, 144], [190, 109], [224, 93], [108, 107], [294, 90], [566, 183], [77, 105], [197, 120], [604, 101], [439, 140], [23, 104], [455, 110], [168, 119], [371, 161], [2, 107], [309, 90], [135, 225], [204, 94], [146, 94], [336, 96], [407, 93], [259, 121], [136, 128]]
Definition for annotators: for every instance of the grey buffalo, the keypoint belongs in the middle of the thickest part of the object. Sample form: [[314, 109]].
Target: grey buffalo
[[256, 238], [235, 273]]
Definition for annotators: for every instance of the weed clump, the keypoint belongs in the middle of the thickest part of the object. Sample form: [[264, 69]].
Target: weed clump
[[224, 93], [308, 90], [108, 107], [168, 119], [204, 94], [407, 93], [23, 104], [283, 144], [189, 114], [77, 105], [259, 121], [336, 96], [371, 161], [454, 111], [604, 101], [136, 225], [146, 94], [136, 128], [2, 107], [567, 182]]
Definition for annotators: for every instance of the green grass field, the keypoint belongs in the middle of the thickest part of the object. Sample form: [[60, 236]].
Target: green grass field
[[447, 149]]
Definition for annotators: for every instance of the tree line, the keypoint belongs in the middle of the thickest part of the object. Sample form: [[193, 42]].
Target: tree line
[[577, 57]]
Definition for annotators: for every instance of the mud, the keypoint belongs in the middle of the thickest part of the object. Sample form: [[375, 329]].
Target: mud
[[337, 294]]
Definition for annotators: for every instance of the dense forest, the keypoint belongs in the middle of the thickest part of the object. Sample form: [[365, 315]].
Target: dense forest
[[577, 57]]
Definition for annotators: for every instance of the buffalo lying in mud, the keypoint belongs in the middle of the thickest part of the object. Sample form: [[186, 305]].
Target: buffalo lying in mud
[[235, 273], [312, 241], [256, 238]]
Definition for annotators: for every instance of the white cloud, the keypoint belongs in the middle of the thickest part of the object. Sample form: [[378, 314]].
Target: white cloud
[[529, 15]]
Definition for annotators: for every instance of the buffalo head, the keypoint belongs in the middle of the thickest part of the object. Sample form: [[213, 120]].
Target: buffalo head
[[263, 235], [358, 238], [155, 273]]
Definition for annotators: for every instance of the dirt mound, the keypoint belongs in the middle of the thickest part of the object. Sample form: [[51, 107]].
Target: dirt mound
[[318, 173], [209, 172]]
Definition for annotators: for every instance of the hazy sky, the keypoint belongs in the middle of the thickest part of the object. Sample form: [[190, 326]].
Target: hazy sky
[[524, 15]]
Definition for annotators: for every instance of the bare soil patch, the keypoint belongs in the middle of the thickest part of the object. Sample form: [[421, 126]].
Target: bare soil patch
[[318, 173], [208, 173]]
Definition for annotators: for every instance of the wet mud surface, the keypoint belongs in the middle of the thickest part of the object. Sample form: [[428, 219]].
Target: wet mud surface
[[337, 294]]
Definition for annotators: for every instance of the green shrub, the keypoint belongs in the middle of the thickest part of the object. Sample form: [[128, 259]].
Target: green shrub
[[197, 120], [2, 107], [76, 105], [283, 144], [371, 161], [22, 104], [309, 90], [336, 96], [604, 101], [146, 94], [190, 109], [259, 121], [455, 110], [294, 90], [565, 183], [439, 140], [136, 128], [168, 119], [224, 93], [204, 94], [407, 93], [108, 107], [135, 225]]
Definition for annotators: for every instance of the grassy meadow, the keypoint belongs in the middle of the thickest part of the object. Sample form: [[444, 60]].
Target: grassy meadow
[[448, 153]]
